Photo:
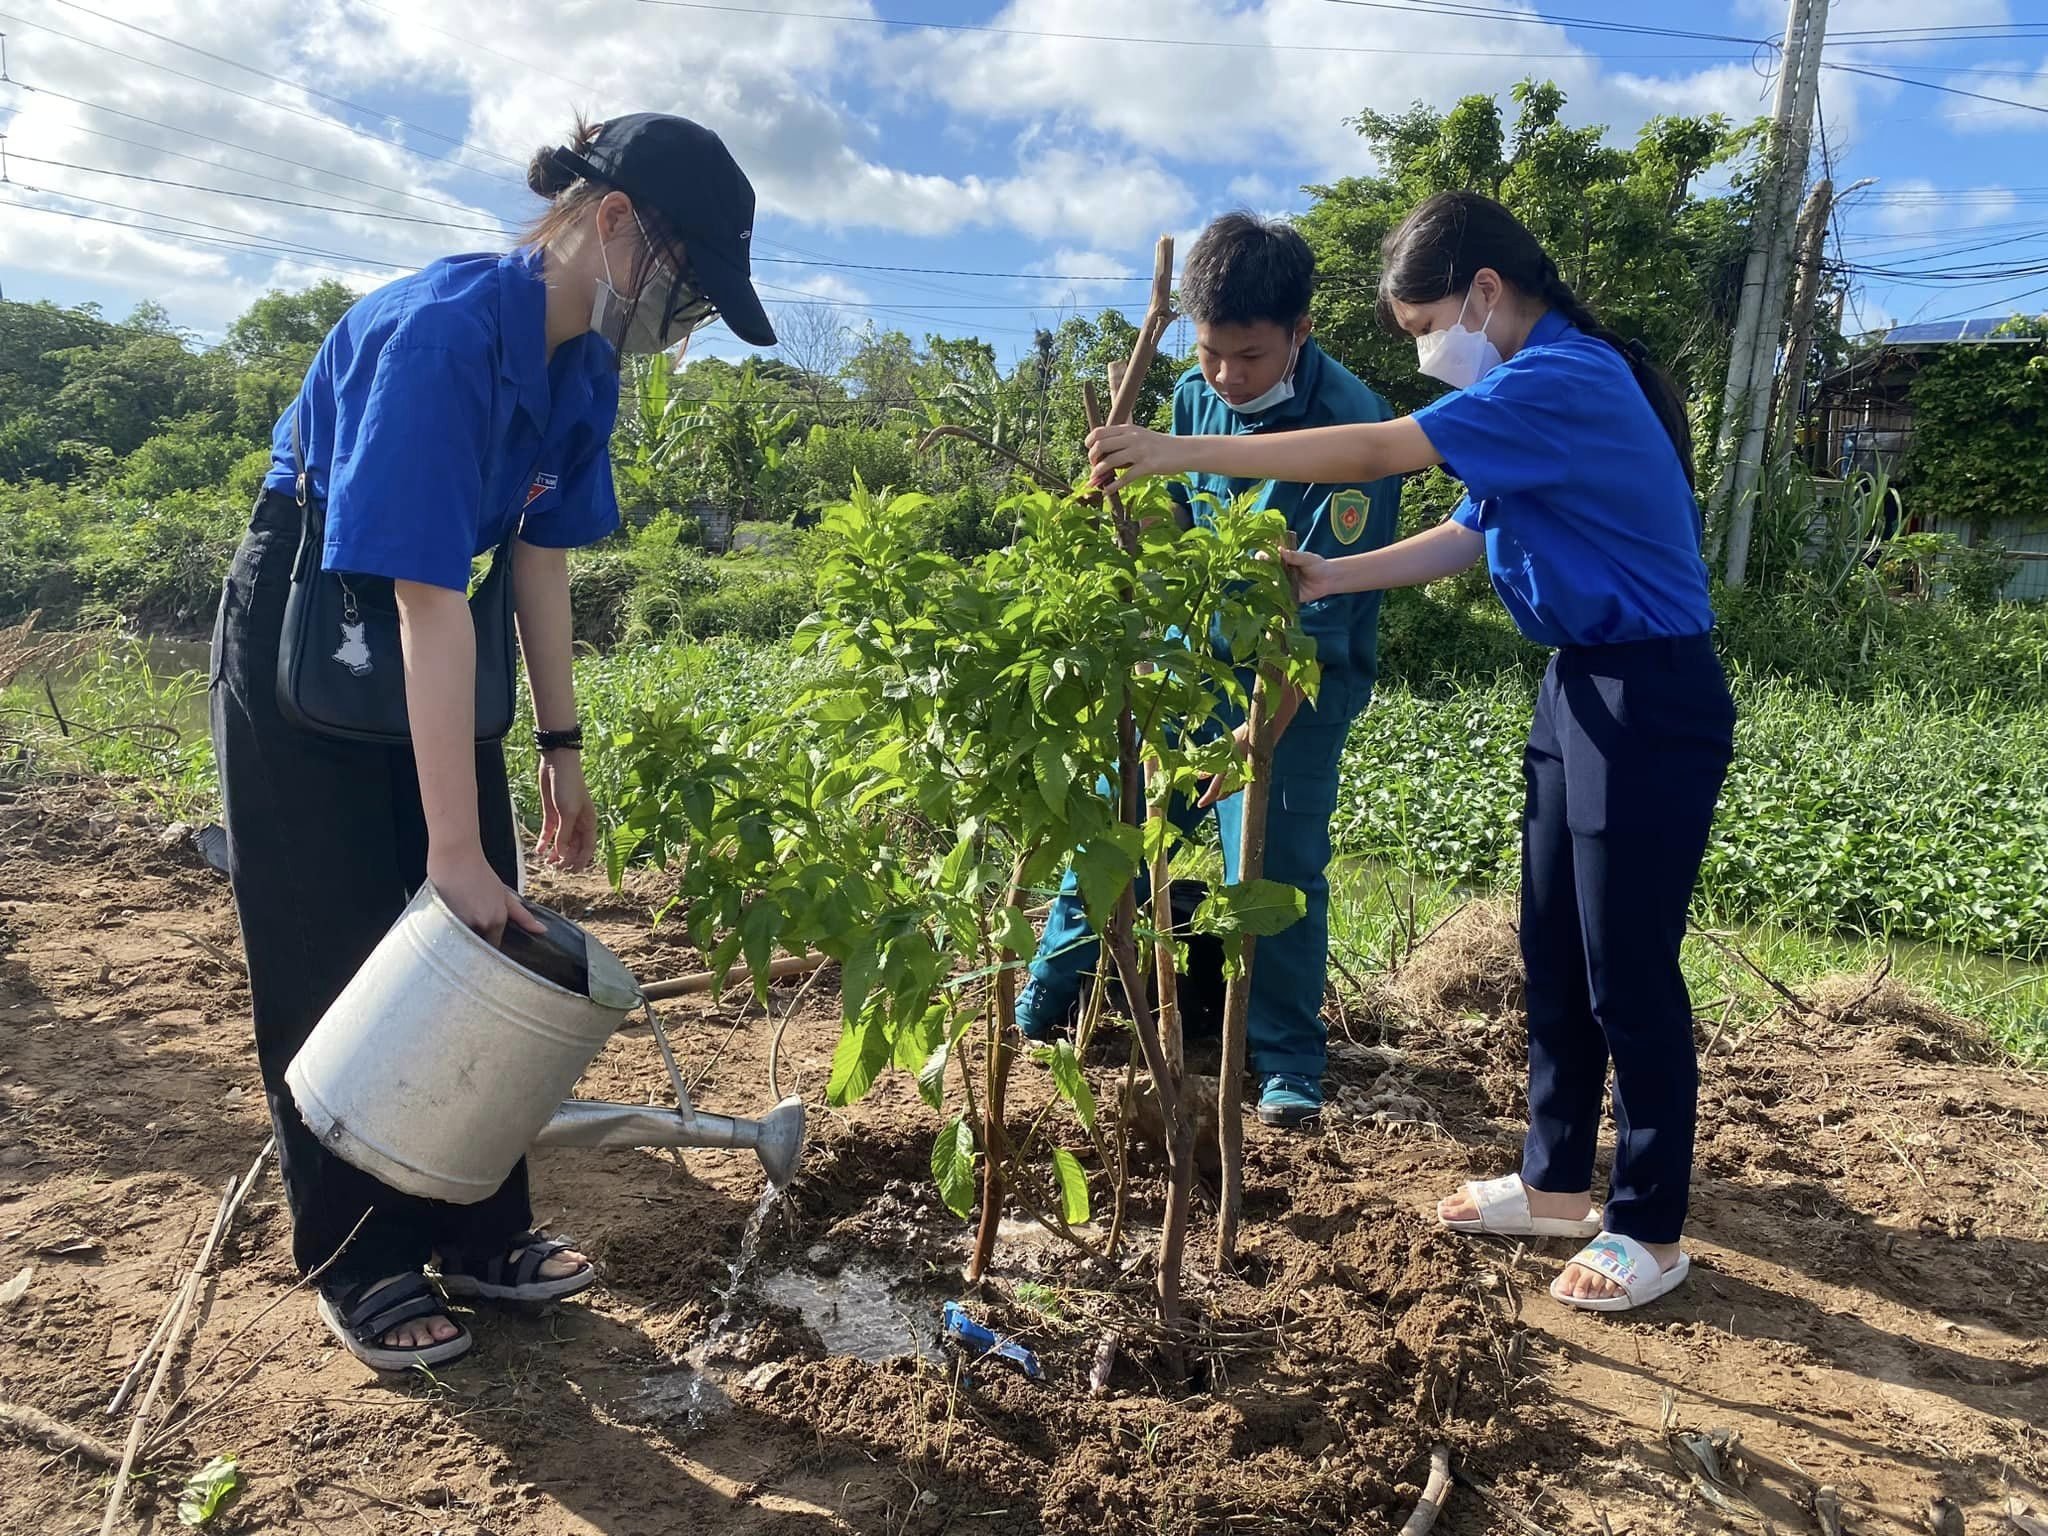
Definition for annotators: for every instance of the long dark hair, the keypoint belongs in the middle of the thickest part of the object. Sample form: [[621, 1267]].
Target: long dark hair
[[1437, 248]]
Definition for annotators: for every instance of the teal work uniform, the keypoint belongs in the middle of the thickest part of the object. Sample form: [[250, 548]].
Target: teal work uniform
[[1285, 1032]]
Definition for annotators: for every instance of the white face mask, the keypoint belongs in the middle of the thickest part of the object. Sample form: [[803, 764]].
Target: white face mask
[[1458, 357], [1279, 394], [635, 326]]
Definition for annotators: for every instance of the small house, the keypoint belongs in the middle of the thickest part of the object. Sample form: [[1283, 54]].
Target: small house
[[1865, 426]]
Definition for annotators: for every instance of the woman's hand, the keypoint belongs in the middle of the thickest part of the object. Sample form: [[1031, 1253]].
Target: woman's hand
[[1311, 574], [474, 893], [568, 819], [1119, 455]]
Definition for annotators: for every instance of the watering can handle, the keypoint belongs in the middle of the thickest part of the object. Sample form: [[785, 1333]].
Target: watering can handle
[[668, 1057]]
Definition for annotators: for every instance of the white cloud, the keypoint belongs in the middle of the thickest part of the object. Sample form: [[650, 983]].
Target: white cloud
[[1256, 191], [1070, 279], [1910, 204]]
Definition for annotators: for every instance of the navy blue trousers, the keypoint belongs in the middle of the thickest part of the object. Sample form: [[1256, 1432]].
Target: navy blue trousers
[[1625, 761]]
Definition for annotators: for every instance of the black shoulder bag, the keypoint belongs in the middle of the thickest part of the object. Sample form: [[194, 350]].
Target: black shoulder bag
[[340, 665]]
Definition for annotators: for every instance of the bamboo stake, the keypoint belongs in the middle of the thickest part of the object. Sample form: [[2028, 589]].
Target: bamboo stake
[[1151, 331], [186, 1292], [1251, 865], [231, 1199]]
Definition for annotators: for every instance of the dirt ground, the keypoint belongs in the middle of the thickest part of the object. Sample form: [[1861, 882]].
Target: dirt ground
[[1869, 1306]]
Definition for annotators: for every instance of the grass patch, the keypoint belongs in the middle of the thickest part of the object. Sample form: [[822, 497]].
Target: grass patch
[[1378, 917], [1889, 815]]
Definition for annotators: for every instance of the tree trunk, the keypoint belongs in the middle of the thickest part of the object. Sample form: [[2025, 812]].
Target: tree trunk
[[995, 1140]]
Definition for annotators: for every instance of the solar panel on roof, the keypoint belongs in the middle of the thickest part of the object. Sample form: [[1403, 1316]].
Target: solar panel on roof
[[1937, 332]]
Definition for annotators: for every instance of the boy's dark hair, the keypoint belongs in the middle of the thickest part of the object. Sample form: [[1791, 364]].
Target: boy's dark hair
[[1243, 269]]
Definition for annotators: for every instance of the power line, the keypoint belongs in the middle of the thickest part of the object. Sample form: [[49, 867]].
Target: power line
[[1536, 18], [261, 197], [1930, 85], [255, 240], [1172, 42], [245, 149], [232, 170], [264, 74], [503, 229], [261, 101], [191, 239]]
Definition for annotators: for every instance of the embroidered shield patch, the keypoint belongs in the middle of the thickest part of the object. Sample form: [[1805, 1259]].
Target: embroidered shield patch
[[1348, 511]]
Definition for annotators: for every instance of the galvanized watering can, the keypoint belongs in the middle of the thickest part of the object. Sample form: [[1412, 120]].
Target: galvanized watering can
[[446, 1058]]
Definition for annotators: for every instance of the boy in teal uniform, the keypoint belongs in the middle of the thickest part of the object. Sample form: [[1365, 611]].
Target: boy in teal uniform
[[1246, 285]]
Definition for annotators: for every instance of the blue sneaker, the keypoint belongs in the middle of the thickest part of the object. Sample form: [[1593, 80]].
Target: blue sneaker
[[1287, 1100], [1040, 1014]]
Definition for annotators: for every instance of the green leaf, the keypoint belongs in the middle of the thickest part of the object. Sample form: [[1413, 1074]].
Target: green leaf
[[1104, 870], [206, 1490], [1072, 1082], [1014, 934], [1073, 1184], [862, 1053], [931, 1077], [953, 1159], [757, 941], [857, 977], [1254, 910], [620, 846], [1054, 770]]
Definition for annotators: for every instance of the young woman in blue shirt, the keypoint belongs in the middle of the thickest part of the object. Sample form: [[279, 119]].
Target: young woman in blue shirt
[[1577, 462], [443, 412]]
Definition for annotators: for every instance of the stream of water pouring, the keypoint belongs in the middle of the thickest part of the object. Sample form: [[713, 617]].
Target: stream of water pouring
[[702, 1387]]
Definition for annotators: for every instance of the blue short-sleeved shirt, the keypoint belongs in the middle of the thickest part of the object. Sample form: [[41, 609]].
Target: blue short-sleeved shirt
[[1592, 534], [435, 421], [1326, 519]]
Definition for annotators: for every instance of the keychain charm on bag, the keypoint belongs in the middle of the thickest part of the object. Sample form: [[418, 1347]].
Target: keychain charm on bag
[[336, 631]]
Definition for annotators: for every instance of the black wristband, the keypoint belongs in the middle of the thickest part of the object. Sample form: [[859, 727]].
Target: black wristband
[[570, 740]]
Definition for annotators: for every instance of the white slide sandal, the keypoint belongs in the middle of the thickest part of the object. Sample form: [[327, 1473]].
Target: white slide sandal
[[1503, 1206], [1629, 1265]]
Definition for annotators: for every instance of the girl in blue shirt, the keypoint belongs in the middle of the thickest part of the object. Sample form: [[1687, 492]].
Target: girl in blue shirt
[[443, 413], [1577, 462]]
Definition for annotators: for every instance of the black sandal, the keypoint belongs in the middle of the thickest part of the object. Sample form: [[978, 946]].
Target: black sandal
[[513, 1272], [360, 1315]]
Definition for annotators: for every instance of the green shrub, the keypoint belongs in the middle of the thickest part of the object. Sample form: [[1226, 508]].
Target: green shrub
[[600, 593], [1978, 575], [823, 465], [185, 457], [748, 609], [1431, 643]]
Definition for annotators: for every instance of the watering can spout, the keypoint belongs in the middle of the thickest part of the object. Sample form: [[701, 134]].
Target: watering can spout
[[777, 1138]]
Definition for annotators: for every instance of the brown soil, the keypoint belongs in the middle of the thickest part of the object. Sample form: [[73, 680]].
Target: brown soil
[[1868, 1308]]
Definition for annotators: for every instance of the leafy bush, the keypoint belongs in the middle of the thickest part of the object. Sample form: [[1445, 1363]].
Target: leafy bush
[[1980, 426], [1431, 643], [748, 609], [188, 456], [824, 465], [1978, 575]]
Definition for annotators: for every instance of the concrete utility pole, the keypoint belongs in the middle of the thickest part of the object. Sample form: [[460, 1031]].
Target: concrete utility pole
[[1746, 405]]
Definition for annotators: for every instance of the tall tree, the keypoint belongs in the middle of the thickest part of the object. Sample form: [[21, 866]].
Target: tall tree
[[1628, 227]]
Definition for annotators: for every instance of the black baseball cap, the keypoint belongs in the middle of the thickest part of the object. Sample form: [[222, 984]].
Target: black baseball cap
[[682, 172]]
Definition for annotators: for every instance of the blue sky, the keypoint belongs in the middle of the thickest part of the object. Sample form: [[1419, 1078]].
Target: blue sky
[[959, 152]]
